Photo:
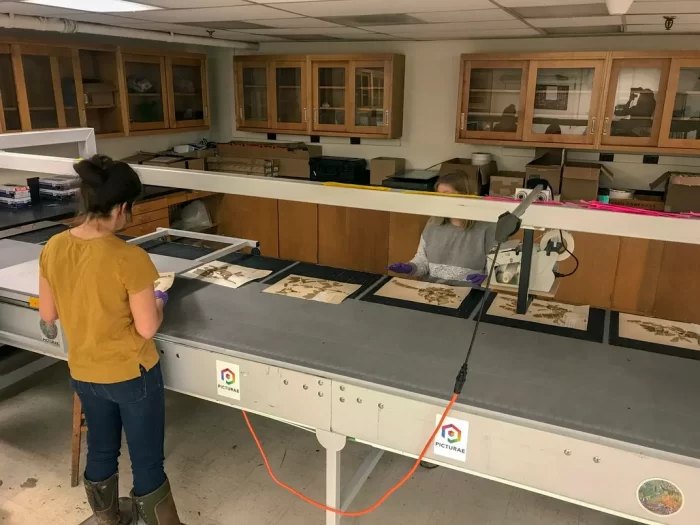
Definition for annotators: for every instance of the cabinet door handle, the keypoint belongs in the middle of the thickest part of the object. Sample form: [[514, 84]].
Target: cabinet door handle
[[461, 121], [386, 121], [305, 115], [240, 112], [206, 112], [86, 99], [593, 126], [605, 125], [314, 115]]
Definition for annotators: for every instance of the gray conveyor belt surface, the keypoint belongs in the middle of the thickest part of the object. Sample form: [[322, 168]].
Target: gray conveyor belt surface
[[637, 397]]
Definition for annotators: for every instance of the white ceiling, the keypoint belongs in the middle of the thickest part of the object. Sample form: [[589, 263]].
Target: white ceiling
[[298, 20]]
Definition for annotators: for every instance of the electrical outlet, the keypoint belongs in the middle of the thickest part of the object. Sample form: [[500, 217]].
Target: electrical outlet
[[606, 157], [651, 159], [355, 140], [272, 136], [315, 139]]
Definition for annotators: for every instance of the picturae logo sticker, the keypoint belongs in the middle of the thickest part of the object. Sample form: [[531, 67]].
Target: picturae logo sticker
[[660, 497], [451, 439], [228, 380]]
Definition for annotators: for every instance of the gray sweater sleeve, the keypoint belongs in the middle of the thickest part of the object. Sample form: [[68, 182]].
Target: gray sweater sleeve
[[420, 260]]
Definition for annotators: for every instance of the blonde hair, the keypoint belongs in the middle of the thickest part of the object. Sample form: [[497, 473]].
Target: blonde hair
[[459, 181]]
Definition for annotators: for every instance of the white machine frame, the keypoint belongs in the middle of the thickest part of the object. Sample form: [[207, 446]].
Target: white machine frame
[[504, 448]]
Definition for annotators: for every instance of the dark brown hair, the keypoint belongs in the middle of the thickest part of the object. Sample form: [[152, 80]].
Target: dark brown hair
[[106, 184], [460, 182]]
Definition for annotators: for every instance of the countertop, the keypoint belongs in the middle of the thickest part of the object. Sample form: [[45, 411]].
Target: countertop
[[48, 210]]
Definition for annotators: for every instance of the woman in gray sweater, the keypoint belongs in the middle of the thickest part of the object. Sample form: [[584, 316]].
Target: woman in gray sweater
[[451, 251]]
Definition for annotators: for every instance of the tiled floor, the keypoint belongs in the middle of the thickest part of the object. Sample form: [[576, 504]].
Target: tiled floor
[[218, 476]]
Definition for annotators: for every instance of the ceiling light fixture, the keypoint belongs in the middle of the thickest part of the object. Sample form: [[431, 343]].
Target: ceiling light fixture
[[618, 7], [96, 6]]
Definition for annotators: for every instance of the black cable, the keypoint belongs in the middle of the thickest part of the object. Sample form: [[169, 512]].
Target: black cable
[[566, 249], [462, 375]]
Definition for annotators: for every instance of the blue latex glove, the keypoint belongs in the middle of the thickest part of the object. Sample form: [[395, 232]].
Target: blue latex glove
[[476, 279], [402, 268], [163, 296]]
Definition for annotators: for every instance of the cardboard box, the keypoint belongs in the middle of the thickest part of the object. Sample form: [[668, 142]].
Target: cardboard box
[[643, 202], [171, 161], [682, 191], [506, 183], [478, 176], [294, 157], [261, 167], [381, 168], [580, 181], [547, 167]]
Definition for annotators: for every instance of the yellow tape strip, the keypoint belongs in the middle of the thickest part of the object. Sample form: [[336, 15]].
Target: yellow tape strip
[[418, 192], [34, 302], [356, 186]]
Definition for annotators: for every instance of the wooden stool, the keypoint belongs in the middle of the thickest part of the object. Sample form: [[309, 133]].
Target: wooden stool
[[79, 426]]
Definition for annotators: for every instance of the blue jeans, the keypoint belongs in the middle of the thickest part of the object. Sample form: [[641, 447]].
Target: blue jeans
[[137, 405]]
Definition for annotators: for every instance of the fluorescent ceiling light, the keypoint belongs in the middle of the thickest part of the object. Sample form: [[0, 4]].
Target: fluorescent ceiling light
[[96, 6]]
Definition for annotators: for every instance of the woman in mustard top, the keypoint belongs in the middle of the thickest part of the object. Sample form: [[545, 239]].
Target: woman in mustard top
[[101, 288]]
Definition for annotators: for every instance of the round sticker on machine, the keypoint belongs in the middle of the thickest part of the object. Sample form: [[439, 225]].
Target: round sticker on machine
[[660, 497]]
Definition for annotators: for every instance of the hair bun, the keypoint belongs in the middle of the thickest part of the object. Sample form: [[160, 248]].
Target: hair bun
[[94, 171]]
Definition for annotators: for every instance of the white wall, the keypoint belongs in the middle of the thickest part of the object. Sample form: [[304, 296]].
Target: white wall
[[432, 73]]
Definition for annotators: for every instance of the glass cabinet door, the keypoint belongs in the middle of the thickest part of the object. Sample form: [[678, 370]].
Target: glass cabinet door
[[99, 78], [563, 101], [370, 92], [492, 100], [635, 101], [9, 107], [253, 95], [290, 104], [68, 105], [41, 80], [146, 93], [187, 79], [680, 126], [330, 92]]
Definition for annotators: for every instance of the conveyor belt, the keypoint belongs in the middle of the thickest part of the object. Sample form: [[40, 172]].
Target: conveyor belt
[[636, 397]]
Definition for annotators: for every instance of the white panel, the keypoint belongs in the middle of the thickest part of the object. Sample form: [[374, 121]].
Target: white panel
[[330, 31], [659, 21], [294, 22], [540, 3], [375, 7], [586, 21], [449, 27], [478, 15], [659, 28], [101, 18], [184, 4], [665, 8], [211, 14], [17, 8], [184, 30]]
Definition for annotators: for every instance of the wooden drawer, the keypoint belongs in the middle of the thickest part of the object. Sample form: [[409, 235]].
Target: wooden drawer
[[150, 205], [150, 216], [145, 228]]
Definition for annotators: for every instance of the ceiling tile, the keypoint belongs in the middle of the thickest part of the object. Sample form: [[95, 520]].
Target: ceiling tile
[[537, 3], [325, 8], [659, 28], [479, 15], [96, 18], [450, 27], [659, 19], [562, 11], [280, 1], [329, 31], [229, 25], [473, 35], [168, 28], [184, 4], [584, 30], [17, 8], [294, 22], [374, 20], [249, 12], [575, 22], [665, 8]]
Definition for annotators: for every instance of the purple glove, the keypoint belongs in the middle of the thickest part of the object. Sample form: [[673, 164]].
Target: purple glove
[[476, 279], [163, 296], [403, 268]]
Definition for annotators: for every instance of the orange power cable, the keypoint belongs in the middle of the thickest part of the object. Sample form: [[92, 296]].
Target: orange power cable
[[386, 494]]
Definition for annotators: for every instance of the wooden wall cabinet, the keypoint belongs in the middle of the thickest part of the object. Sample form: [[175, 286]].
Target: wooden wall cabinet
[[146, 92], [617, 101], [188, 103], [344, 95]]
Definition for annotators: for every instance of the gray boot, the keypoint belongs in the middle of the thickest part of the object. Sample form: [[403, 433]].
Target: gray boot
[[107, 507], [156, 508]]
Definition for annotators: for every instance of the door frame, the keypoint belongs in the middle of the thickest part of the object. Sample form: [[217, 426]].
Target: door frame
[[664, 65], [598, 66], [463, 102]]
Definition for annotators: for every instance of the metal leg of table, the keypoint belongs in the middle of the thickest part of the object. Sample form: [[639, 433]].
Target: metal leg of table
[[334, 444], [24, 371], [365, 470]]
